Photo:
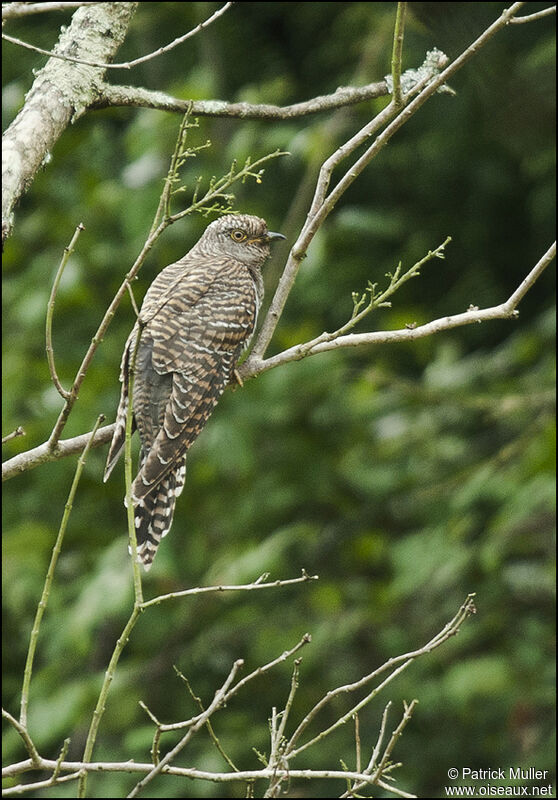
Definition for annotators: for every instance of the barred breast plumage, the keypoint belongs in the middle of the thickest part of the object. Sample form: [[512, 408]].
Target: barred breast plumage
[[196, 319]]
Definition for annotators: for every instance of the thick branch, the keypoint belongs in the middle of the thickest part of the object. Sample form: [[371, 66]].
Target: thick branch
[[110, 96], [41, 454], [61, 92], [184, 772]]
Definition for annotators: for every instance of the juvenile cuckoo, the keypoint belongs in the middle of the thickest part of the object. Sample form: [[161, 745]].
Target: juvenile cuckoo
[[196, 319]]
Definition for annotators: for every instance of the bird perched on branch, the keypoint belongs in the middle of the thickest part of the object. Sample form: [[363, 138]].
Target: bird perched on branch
[[196, 319]]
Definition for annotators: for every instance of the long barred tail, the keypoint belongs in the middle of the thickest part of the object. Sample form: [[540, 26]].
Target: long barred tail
[[153, 513]]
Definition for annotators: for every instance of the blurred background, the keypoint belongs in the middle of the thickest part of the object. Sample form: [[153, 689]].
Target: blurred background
[[405, 476]]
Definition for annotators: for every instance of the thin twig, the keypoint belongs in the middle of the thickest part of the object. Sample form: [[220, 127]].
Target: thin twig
[[246, 587], [50, 311], [400, 662], [21, 728], [163, 208], [546, 12], [103, 694], [42, 453], [290, 700], [394, 790], [15, 10], [357, 744], [125, 64], [376, 300], [210, 729], [218, 700], [50, 577], [376, 752], [133, 300], [176, 726], [397, 53], [276, 760], [22, 788], [408, 713], [13, 435]]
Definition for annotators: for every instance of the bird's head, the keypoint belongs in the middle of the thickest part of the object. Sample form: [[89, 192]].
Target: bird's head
[[241, 236]]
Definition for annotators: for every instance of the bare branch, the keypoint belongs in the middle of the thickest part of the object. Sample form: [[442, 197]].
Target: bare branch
[[275, 773], [125, 64], [59, 95], [390, 788], [376, 299], [401, 662], [219, 699], [210, 729], [42, 453], [395, 738], [103, 694], [248, 587], [35, 758], [134, 767], [397, 53], [138, 97], [188, 723], [41, 607], [506, 310], [15, 10], [546, 12], [22, 788], [50, 311], [376, 752], [323, 203], [306, 639], [13, 435]]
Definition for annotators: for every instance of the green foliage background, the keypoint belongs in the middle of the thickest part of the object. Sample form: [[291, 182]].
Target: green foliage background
[[405, 476]]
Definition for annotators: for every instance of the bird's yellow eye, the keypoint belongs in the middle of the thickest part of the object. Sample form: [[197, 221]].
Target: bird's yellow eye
[[238, 235]]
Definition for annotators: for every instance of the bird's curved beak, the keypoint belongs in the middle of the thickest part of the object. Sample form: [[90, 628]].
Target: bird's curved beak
[[273, 237]]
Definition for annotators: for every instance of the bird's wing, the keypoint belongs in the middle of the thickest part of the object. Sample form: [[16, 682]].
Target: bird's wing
[[194, 340], [119, 434], [193, 282]]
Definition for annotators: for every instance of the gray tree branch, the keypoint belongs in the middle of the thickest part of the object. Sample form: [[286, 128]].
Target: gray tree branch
[[110, 96], [61, 92], [15, 10], [124, 64]]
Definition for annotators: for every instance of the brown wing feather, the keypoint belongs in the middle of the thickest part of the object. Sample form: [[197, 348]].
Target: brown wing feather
[[197, 343]]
